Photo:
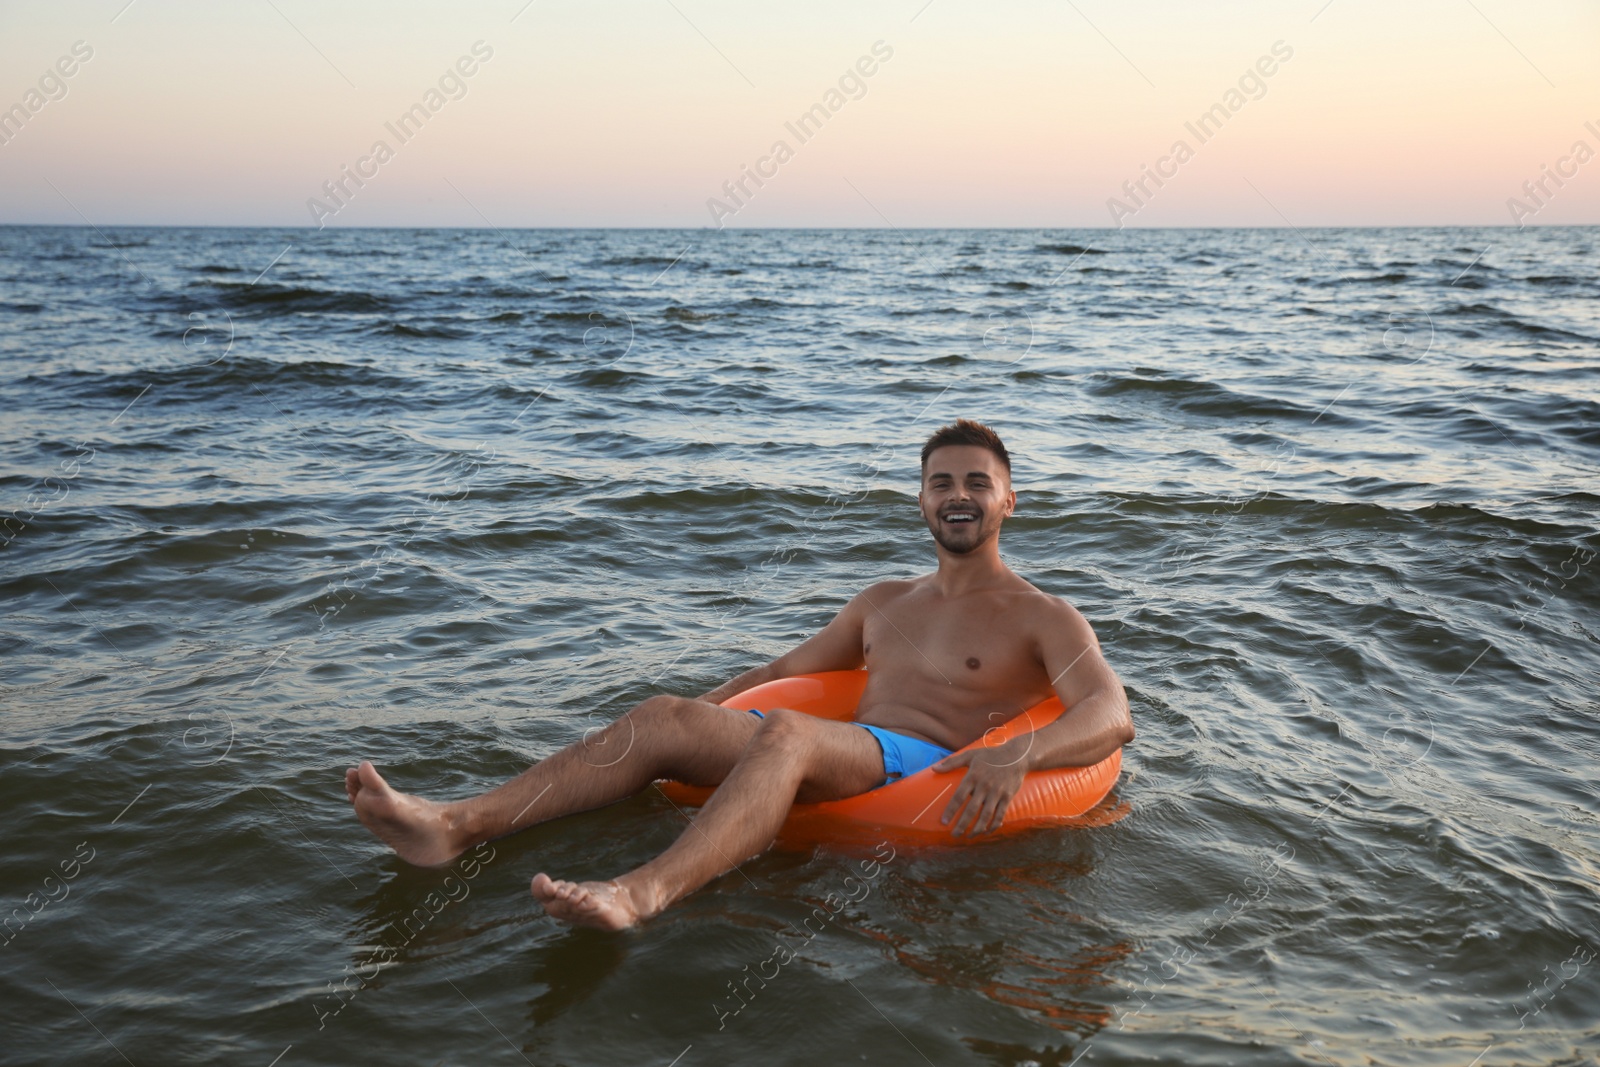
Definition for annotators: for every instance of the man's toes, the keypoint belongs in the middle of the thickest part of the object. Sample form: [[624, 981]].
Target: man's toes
[[369, 777]]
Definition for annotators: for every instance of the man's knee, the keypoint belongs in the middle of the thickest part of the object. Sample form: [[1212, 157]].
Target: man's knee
[[656, 707], [782, 728], [666, 712]]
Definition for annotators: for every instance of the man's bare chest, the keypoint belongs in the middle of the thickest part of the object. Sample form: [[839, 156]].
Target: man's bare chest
[[971, 644]]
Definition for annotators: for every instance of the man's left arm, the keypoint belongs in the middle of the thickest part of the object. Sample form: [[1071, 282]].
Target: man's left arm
[[1095, 724]]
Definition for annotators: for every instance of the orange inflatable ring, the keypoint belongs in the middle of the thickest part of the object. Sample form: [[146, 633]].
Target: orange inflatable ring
[[913, 804]]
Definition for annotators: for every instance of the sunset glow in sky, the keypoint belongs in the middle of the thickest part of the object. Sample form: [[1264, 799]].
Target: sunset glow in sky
[[650, 113]]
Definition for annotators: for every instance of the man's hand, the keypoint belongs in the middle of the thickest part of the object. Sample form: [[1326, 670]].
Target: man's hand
[[993, 777]]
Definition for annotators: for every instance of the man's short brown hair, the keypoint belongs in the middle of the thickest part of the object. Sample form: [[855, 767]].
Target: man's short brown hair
[[967, 432]]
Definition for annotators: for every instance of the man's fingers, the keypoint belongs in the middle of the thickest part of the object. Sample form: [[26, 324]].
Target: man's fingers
[[998, 814], [961, 821], [954, 814], [980, 825], [983, 814], [997, 811], [969, 821], [980, 812], [963, 791], [952, 761], [976, 807]]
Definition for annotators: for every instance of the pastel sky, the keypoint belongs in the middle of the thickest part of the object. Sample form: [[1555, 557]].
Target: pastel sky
[[635, 113]]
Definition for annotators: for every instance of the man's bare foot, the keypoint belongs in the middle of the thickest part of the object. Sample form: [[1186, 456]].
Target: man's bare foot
[[607, 905], [420, 831]]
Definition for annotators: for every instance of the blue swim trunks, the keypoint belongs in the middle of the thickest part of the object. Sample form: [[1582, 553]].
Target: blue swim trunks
[[902, 756]]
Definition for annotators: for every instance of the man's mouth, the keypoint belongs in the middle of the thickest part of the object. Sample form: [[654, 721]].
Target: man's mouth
[[961, 515]]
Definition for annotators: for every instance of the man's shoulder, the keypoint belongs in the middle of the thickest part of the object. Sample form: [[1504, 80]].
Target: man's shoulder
[[880, 593], [1041, 607]]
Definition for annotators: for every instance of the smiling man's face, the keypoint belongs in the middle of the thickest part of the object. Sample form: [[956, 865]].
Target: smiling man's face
[[966, 495]]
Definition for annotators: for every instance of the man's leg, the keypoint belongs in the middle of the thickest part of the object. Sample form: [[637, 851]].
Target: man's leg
[[663, 737], [792, 757]]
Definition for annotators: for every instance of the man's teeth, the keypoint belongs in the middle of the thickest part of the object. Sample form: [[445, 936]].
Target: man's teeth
[[960, 516]]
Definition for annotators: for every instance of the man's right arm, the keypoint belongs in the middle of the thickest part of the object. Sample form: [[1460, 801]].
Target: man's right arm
[[836, 647]]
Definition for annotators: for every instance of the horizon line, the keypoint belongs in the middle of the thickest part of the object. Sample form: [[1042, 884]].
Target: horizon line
[[801, 229]]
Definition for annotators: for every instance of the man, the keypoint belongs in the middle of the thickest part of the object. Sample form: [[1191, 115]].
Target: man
[[950, 655]]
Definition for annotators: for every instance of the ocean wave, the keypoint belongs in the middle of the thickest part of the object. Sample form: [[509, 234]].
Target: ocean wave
[[639, 261], [299, 299], [1069, 250], [166, 382], [1508, 320], [309, 373], [401, 329], [592, 315], [1202, 397], [683, 314]]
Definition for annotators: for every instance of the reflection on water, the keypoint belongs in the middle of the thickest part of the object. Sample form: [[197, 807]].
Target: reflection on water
[[570, 971], [994, 961]]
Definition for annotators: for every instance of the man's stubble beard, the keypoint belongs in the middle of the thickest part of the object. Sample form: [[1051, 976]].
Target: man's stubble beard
[[937, 528]]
